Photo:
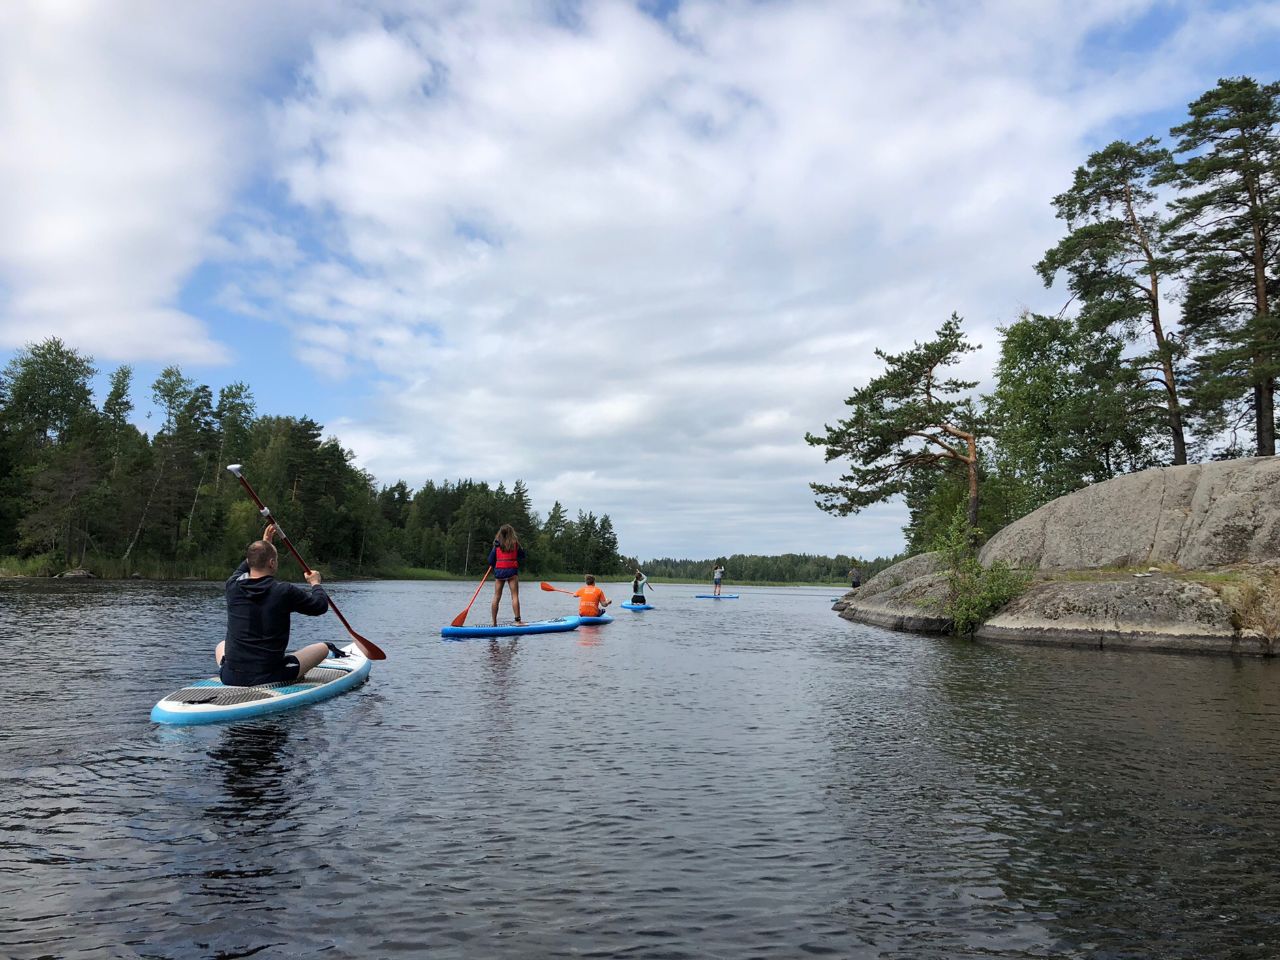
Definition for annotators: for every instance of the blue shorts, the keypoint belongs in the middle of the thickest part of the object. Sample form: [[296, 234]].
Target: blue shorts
[[505, 574]]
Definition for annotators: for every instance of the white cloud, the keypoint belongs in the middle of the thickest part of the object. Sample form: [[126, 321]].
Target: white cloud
[[663, 255], [626, 261], [127, 129]]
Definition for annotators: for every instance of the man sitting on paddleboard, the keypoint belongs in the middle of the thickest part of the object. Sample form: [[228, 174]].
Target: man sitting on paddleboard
[[258, 611], [591, 599]]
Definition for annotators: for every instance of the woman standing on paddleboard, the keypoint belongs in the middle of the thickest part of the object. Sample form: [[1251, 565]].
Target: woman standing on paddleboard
[[505, 559]]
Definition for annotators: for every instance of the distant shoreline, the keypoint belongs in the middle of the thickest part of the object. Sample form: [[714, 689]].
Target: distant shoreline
[[414, 575]]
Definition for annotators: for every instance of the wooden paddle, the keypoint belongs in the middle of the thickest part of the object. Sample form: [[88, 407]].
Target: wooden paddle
[[461, 618], [370, 649]]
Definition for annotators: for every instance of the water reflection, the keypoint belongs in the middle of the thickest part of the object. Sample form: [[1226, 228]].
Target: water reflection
[[253, 764], [768, 782]]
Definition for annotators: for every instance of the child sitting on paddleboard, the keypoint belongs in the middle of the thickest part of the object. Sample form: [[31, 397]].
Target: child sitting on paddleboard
[[637, 588], [591, 599], [505, 559]]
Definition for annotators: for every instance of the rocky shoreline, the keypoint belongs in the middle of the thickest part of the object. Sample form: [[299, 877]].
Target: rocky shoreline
[[1174, 559]]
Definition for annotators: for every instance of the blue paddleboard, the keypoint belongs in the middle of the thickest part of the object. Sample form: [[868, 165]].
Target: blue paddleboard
[[212, 701], [512, 630], [712, 596], [636, 606], [588, 621]]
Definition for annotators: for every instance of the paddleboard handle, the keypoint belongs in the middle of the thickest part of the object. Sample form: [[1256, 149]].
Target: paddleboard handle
[[235, 469]]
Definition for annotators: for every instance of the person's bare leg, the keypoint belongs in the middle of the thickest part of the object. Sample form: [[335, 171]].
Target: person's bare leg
[[515, 597], [497, 596], [310, 656], [219, 652]]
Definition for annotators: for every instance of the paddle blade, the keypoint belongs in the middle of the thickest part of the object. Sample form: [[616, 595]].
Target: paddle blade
[[371, 650], [546, 586], [461, 618]]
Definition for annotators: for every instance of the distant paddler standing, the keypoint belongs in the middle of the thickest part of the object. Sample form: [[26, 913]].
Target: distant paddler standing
[[717, 576], [505, 559]]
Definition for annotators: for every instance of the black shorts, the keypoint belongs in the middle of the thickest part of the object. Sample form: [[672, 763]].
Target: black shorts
[[287, 672]]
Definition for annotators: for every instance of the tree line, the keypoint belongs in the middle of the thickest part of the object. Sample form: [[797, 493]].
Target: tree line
[[1167, 353], [784, 568], [81, 486]]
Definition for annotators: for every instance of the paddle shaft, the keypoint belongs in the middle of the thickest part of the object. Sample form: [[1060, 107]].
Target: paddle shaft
[[371, 650], [461, 618]]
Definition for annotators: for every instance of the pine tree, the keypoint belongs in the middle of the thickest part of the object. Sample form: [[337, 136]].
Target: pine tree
[[1227, 224], [1117, 262], [909, 418]]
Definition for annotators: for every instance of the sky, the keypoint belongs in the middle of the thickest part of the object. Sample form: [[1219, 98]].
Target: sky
[[627, 252]]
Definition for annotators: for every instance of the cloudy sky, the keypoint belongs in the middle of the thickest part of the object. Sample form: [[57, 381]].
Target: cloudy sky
[[626, 251]]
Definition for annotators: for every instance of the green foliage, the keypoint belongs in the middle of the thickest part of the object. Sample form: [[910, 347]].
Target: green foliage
[[1227, 233], [81, 486], [910, 418], [934, 497], [1113, 388], [753, 568], [1067, 410], [974, 592], [1117, 257]]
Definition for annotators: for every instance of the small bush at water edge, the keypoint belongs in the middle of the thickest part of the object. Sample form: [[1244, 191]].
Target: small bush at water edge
[[974, 592]]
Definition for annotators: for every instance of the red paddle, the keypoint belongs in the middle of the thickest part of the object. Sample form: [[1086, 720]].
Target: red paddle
[[371, 649], [461, 618]]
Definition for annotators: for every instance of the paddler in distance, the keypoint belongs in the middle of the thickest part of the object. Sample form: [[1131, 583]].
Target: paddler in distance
[[258, 610], [638, 585]]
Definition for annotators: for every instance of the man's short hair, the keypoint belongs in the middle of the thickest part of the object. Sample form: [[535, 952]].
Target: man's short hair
[[259, 554]]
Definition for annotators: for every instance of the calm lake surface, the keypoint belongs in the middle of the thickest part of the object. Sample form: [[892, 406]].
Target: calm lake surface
[[748, 778]]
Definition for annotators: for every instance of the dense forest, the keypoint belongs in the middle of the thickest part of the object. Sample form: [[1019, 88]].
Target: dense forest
[[786, 568], [81, 486], [1167, 351]]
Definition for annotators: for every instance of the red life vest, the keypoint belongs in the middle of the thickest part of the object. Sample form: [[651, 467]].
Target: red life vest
[[507, 559]]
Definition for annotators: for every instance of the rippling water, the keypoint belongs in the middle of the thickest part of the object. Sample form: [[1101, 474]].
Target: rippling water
[[750, 778]]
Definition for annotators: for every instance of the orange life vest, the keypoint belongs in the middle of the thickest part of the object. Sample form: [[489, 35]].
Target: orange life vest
[[589, 599]]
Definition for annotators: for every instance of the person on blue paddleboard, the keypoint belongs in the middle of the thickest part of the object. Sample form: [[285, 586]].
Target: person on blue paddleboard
[[505, 559], [638, 585], [259, 608], [717, 575], [591, 599]]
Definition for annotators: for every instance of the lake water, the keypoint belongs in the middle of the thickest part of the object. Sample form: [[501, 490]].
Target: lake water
[[747, 778]]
